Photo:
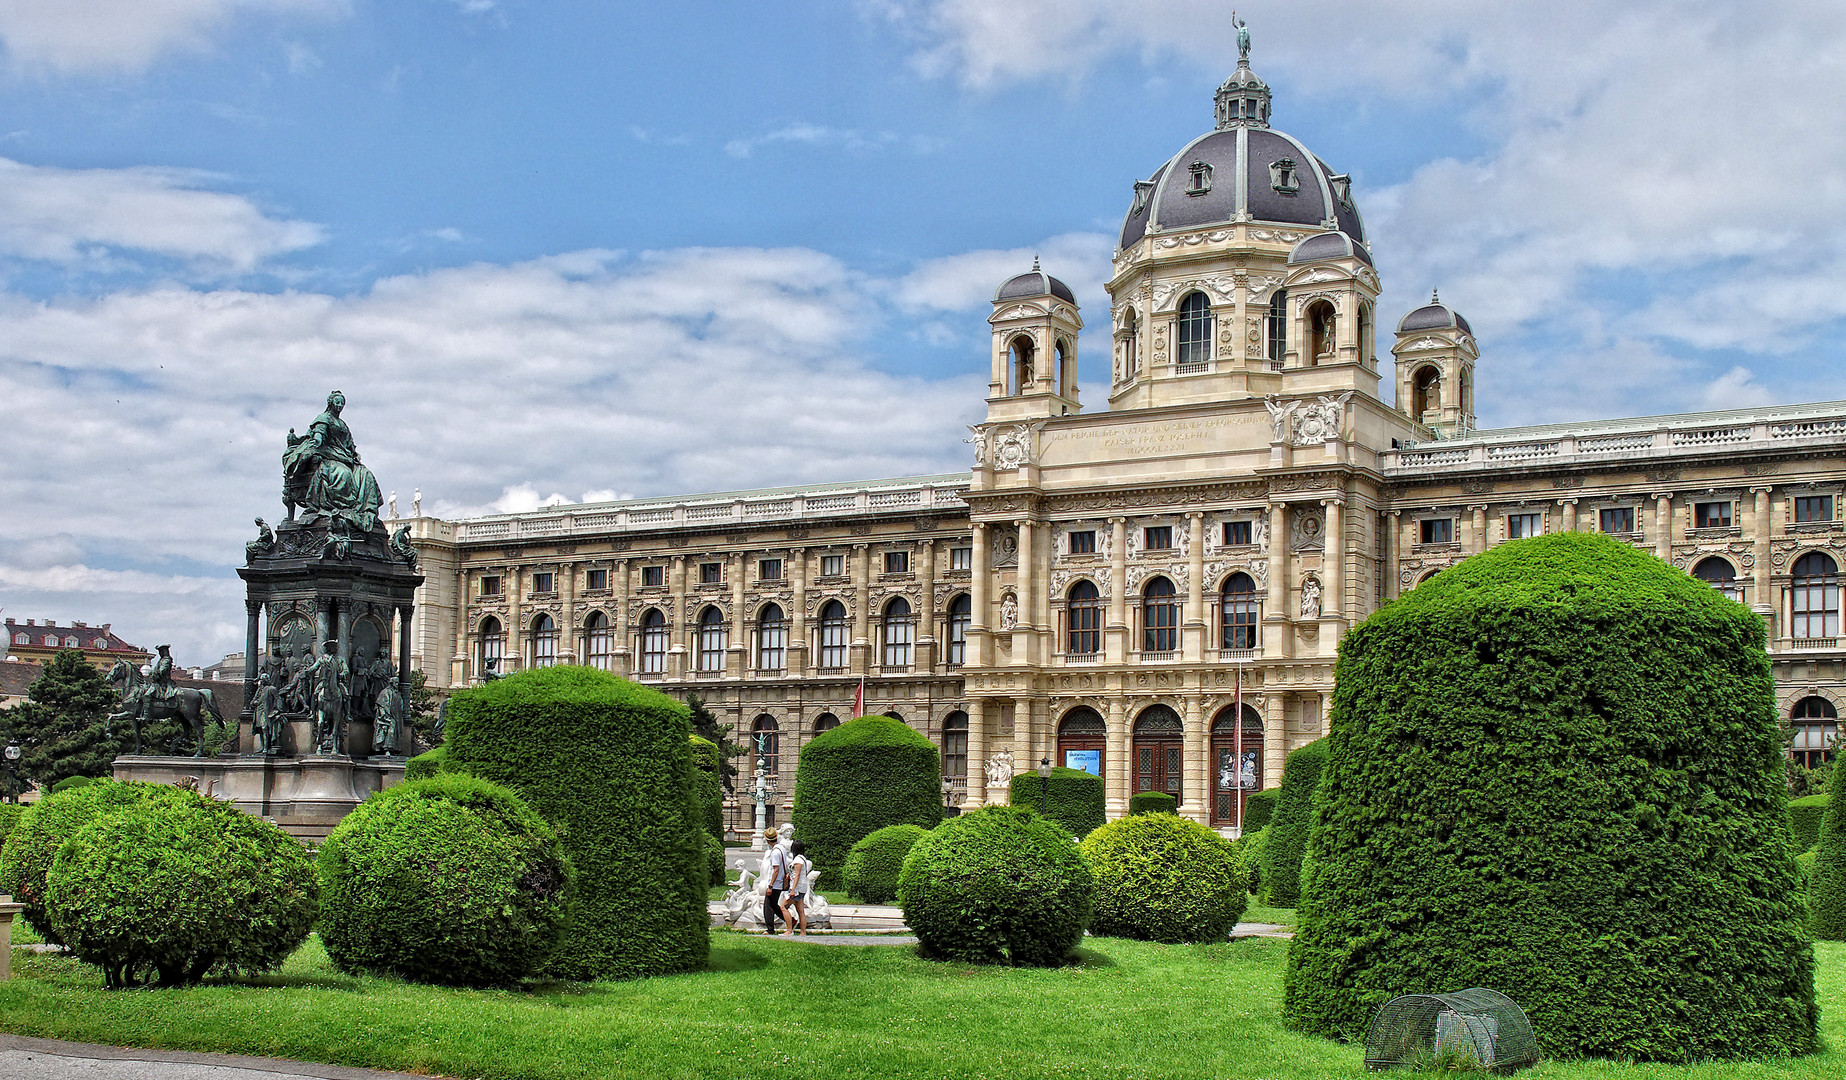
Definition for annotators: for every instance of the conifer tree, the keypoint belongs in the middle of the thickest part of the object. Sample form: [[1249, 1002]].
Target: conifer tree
[[60, 725]]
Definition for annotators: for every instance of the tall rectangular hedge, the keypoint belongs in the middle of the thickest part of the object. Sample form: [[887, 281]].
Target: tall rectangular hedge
[[1804, 816], [612, 765], [1073, 798]]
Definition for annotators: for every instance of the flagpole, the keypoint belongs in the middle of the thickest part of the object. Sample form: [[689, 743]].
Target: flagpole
[[1237, 746]]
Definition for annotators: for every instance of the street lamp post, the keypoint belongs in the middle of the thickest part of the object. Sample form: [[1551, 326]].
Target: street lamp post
[[948, 797], [12, 770], [765, 789], [1044, 784]]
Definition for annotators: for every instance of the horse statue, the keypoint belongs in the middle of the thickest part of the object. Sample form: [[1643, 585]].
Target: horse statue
[[188, 705]]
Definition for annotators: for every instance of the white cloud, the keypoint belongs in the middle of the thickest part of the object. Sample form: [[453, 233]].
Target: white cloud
[[81, 215], [968, 280], [819, 135], [91, 36], [1654, 172], [490, 387]]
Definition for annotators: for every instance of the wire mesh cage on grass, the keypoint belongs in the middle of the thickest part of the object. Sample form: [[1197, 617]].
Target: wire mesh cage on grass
[[1474, 1028]]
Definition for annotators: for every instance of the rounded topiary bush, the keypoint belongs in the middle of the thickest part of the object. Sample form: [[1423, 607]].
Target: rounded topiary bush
[[1152, 802], [607, 762], [874, 863], [1161, 877], [1288, 829], [1000, 885], [33, 843], [1555, 769], [1804, 816], [1259, 810], [426, 764], [1071, 797], [172, 888], [70, 782], [1827, 881], [448, 880], [708, 789], [859, 777]]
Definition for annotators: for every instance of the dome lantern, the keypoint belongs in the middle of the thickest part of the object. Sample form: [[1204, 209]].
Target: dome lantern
[[1243, 100]]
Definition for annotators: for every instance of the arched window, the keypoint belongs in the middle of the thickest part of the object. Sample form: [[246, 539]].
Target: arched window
[[1277, 325], [1194, 331], [1817, 731], [1237, 763], [1365, 333], [893, 714], [1159, 751], [1720, 575], [1321, 321], [544, 641], [493, 645], [1159, 617], [835, 635], [1238, 612], [771, 639], [1131, 342], [1425, 392], [1067, 369], [1083, 620], [1019, 366], [711, 640], [597, 642], [765, 736], [897, 632], [955, 754], [1082, 740], [1815, 592], [825, 722], [653, 642], [961, 614]]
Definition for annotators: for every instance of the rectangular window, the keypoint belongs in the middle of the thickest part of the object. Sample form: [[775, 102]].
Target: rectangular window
[[1085, 627], [596, 579], [490, 585], [960, 615], [833, 566], [961, 558], [1237, 533], [1712, 515], [769, 569], [1083, 543], [1617, 520], [711, 573], [1814, 508], [1437, 531], [897, 562], [1520, 526], [1159, 537], [542, 583]]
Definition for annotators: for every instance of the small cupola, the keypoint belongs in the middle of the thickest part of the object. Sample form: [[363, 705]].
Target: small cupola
[[1436, 356], [1243, 100], [1035, 327]]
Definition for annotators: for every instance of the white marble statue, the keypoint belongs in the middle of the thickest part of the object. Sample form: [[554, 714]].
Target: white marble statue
[[393, 504], [1009, 612], [1000, 769], [1310, 599]]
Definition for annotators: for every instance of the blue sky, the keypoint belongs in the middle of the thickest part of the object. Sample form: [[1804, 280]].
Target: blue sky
[[580, 250]]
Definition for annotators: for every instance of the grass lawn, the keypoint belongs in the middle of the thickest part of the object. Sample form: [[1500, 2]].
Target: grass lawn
[[790, 1010]]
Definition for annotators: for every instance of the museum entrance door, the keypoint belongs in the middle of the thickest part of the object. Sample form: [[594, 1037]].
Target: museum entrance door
[[1159, 752], [1082, 741], [1233, 782]]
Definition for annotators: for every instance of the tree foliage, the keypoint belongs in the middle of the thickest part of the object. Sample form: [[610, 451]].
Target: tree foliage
[[1071, 797], [1288, 828], [60, 724], [707, 726]]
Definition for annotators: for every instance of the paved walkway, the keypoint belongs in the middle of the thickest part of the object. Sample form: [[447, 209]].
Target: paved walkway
[[52, 1059]]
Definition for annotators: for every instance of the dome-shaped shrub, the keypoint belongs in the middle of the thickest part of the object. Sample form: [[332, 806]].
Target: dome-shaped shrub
[[859, 777], [33, 843], [1288, 829], [874, 863], [1071, 797], [174, 887], [1555, 770], [998, 886], [608, 762], [1152, 802], [448, 880], [1162, 877]]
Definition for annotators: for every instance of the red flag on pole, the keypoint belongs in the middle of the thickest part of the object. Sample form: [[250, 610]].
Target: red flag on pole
[[1237, 746], [858, 699]]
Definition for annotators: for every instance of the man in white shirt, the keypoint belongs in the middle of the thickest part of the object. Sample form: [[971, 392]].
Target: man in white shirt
[[777, 861]]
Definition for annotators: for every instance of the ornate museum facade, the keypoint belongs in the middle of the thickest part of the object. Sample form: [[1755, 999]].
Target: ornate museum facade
[[1100, 584]]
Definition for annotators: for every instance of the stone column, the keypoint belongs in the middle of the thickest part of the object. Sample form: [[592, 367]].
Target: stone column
[[1333, 567], [1481, 541], [404, 613], [862, 646], [1197, 791], [1760, 526], [978, 653], [680, 629], [976, 795], [1025, 632], [1393, 545], [567, 633], [1120, 768], [1569, 511], [253, 611], [1276, 626], [1117, 633], [738, 658], [513, 653], [1026, 714], [1275, 737], [622, 659], [1193, 638], [458, 664], [1663, 525], [926, 608], [799, 659]]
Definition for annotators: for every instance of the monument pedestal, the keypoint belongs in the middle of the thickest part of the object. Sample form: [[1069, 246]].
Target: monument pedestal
[[305, 795]]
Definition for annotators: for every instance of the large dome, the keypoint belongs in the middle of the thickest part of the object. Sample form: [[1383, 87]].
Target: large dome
[[1243, 168]]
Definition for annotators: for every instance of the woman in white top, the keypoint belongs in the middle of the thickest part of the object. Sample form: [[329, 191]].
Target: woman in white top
[[800, 887]]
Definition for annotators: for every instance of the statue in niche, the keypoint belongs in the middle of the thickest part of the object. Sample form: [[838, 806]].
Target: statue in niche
[[266, 725], [388, 718], [1310, 598], [322, 473], [1009, 612]]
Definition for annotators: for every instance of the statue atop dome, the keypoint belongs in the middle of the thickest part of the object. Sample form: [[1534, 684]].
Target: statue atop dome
[[1243, 37]]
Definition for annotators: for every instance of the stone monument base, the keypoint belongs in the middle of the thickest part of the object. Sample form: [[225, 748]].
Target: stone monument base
[[305, 795]]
